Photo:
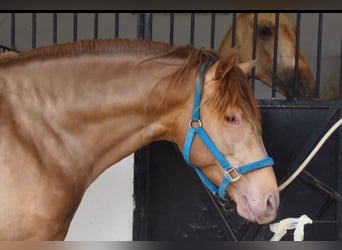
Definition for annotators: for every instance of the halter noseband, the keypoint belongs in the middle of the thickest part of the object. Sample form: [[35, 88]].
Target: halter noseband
[[232, 174]]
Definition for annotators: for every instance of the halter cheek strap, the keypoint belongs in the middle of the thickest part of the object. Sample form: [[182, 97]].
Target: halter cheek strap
[[232, 174]]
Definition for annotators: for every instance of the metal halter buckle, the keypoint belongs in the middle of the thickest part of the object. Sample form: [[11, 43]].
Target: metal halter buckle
[[233, 174], [195, 124]]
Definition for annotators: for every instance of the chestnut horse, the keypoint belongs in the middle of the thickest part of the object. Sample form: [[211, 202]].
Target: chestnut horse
[[70, 111], [265, 51]]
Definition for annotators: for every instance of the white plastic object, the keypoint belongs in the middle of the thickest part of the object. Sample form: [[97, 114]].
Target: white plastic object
[[279, 229]]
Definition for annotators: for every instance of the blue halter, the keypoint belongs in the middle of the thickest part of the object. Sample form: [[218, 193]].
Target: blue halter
[[232, 174]]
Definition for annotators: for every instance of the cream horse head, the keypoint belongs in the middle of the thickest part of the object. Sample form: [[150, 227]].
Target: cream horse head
[[265, 51]]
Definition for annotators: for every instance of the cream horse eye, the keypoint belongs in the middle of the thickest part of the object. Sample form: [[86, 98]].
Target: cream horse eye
[[265, 31], [232, 120]]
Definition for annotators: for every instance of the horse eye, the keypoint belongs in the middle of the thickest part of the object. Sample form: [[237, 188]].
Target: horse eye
[[232, 120], [265, 31], [228, 119]]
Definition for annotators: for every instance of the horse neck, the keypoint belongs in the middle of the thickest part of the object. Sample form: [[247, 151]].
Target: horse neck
[[95, 110]]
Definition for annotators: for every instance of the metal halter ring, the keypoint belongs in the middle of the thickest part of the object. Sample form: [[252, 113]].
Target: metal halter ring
[[195, 124], [220, 201], [233, 174]]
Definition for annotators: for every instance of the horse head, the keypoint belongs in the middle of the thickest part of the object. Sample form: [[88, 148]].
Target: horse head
[[230, 119], [265, 53]]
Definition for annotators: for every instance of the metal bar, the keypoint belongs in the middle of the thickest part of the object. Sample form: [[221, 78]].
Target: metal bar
[[234, 30], [54, 28], [13, 31], [172, 27], [34, 30], [75, 21], [323, 209], [144, 30], [339, 167], [295, 78], [116, 28], [321, 186], [275, 56], [325, 221], [255, 35], [212, 33], [298, 104], [192, 28], [140, 26], [319, 53], [96, 25], [148, 26], [341, 74]]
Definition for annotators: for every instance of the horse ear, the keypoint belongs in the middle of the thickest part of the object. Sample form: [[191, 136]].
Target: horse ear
[[246, 67], [223, 65]]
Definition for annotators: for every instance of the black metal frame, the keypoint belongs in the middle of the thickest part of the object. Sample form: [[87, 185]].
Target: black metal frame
[[278, 104]]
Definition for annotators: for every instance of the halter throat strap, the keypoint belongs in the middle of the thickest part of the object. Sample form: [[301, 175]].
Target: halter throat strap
[[232, 174]]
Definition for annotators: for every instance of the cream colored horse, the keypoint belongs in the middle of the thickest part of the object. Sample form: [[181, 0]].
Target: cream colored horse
[[265, 52]]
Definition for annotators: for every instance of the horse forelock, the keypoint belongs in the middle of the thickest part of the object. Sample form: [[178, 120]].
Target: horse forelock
[[234, 91]]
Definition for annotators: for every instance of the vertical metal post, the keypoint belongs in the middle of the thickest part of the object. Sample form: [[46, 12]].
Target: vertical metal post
[[275, 55], [212, 33], [295, 80], [234, 30], [54, 28], [172, 27], [319, 56], [34, 30], [255, 36], [192, 29], [144, 26], [116, 31], [339, 167], [75, 21], [96, 25], [13, 31]]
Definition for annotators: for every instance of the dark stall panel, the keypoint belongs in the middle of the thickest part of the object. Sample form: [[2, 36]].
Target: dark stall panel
[[177, 206]]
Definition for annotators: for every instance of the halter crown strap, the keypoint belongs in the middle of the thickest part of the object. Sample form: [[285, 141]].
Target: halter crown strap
[[195, 127]]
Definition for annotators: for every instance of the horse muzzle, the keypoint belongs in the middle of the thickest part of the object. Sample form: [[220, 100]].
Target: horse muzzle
[[260, 210]]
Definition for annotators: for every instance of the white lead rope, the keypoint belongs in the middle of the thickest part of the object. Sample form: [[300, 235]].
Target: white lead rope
[[279, 229], [311, 155]]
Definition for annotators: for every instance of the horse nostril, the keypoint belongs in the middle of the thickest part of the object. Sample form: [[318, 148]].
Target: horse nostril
[[271, 204]]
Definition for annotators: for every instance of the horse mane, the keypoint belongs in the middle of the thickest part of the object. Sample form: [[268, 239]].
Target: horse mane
[[104, 47], [233, 89]]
